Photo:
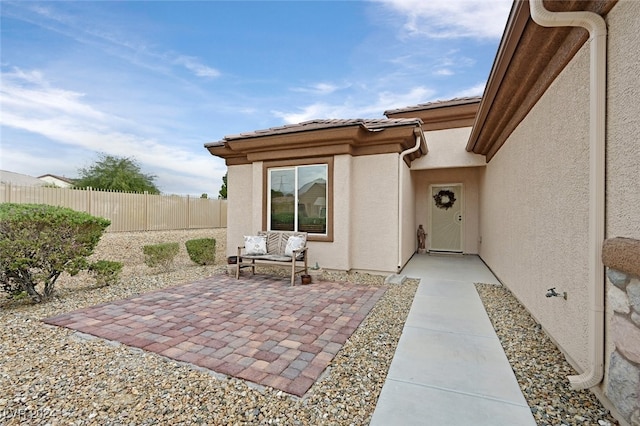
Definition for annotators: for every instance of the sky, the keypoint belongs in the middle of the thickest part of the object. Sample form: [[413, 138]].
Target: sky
[[154, 81]]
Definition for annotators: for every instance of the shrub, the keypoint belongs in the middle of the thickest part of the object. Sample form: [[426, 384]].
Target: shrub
[[202, 251], [106, 272], [39, 242], [161, 255]]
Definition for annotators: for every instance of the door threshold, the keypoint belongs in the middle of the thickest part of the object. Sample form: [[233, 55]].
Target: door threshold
[[445, 253]]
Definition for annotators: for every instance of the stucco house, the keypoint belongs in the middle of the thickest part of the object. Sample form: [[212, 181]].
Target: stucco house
[[540, 177], [59, 181]]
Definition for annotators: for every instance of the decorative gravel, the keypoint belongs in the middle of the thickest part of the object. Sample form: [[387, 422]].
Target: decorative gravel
[[50, 375], [540, 368]]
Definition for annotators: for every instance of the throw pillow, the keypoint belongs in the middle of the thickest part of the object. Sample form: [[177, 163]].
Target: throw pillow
[[294, 243], [255, 245]]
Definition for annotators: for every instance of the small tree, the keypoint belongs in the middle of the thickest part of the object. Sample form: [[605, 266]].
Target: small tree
[[118, 174], [40, 242], [223, 190]]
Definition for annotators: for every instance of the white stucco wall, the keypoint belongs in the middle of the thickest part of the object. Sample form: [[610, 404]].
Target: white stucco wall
[[447, 149], [55, 181], [468, 177], [534, 210], [623, 121]]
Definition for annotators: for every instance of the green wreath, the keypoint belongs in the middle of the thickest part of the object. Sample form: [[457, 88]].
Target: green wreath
[[444, 199]]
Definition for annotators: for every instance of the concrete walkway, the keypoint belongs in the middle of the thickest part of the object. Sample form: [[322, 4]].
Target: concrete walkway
[[449, 367]]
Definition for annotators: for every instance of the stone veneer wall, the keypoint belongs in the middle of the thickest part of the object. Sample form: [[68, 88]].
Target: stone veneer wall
[[622, 258]]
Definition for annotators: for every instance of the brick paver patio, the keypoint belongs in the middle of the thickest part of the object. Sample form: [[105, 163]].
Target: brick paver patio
[[257, 328]]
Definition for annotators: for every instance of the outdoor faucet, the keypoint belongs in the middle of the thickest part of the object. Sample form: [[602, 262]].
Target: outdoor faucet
[[552, 293]]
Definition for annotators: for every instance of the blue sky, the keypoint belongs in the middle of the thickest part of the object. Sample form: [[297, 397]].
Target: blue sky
[[155, 80]]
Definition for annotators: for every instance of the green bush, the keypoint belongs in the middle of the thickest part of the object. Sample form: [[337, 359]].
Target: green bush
[[202, 251], [161, 255], [106, 272], [39, 242]]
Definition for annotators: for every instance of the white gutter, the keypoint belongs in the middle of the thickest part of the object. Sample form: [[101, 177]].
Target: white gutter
[[597, 28], [403, 154]]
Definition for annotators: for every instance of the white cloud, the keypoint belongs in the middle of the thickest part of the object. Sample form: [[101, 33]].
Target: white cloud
[[444, 72], [383, 101], [193, 65], [108, 38], [29, 103], [476, 90], [452, 18], [29, 93], [319, 89]]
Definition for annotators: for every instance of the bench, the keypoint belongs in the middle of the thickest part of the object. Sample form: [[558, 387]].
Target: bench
[[274, 248]]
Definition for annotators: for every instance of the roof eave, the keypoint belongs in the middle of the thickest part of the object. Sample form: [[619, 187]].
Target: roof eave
[[529, 58]]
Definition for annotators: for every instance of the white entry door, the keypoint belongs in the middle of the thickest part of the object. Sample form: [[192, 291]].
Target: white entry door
[[446, 218]]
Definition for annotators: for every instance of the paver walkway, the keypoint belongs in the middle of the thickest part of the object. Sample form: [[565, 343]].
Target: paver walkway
[[258, 328]]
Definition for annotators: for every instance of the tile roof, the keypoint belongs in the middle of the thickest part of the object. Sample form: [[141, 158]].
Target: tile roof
[[435, 104], [373, 125]]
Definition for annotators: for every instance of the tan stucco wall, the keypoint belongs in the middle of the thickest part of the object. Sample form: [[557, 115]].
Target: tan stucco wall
[[365, 212], [239, 222], [468, 177], [335, 255], [374, 213], [409, 227], [447, 149], [534, 210], [623, 121]]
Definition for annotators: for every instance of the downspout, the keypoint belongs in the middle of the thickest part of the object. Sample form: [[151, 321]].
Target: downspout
[[400, 200], [597, 28]]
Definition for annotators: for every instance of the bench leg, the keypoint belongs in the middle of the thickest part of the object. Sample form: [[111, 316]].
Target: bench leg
[[293, 272]]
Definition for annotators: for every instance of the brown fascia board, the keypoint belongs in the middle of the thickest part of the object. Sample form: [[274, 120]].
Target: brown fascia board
[[529, 58], [441, 117], [353, 140]]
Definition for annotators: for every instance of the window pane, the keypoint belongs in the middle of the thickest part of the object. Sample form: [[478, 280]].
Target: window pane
[[282, 199], [312, 199]]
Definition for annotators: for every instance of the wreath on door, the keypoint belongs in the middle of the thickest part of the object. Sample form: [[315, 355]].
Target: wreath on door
[[444, 199]]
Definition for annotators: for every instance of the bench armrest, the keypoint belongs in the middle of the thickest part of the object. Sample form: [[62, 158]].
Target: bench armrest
[[300, 251]]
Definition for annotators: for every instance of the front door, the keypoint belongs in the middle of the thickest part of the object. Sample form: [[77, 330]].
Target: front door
[[445, 234]]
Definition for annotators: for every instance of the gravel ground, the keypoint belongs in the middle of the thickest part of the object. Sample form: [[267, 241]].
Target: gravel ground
[[540, 368], [51, 376]]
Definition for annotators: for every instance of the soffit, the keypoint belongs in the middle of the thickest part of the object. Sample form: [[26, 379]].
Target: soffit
[[529, 58], [321, 138]]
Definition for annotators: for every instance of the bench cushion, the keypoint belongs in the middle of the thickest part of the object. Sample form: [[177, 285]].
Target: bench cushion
[[295, 242], [255, 245]]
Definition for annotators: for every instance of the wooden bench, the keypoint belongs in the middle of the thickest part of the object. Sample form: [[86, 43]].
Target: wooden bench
[[279, 250]]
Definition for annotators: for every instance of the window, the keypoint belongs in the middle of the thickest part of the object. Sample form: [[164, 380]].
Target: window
[[297, 198]]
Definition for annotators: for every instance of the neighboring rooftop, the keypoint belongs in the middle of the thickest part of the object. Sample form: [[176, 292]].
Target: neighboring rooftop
[[19, 179], [60, 178]]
